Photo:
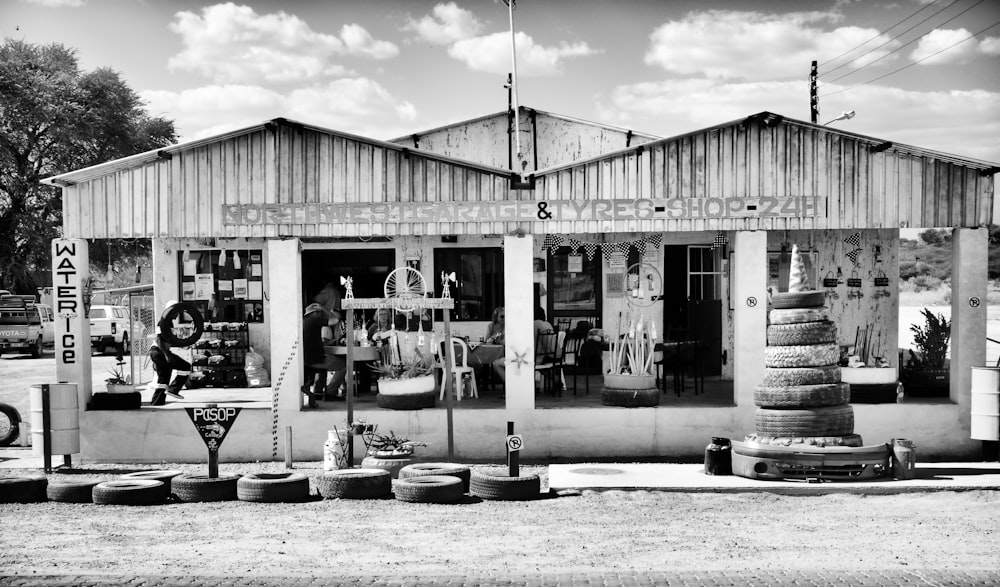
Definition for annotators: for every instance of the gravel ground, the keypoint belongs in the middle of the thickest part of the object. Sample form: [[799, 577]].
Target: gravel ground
[[575, 532]]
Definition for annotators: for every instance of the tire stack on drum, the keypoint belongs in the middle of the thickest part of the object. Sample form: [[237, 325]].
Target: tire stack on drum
[[802, 399]]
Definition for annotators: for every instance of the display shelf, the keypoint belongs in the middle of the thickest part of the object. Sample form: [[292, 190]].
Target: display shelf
[[218, 357]]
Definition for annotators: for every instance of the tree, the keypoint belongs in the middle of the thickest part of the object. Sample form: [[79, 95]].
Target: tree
[[53, 119]]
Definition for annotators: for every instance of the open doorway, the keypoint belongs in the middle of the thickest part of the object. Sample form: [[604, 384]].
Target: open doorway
[[367, 267], [693, 311]]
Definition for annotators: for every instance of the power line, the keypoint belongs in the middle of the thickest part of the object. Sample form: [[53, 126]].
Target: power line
[[901, 47], [981, 31], [891, 39], [880, 33]]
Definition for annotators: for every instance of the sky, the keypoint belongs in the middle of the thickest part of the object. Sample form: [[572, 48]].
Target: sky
[[920, 72]]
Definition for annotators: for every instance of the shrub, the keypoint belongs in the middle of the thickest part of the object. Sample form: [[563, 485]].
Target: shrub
[[931, 340]]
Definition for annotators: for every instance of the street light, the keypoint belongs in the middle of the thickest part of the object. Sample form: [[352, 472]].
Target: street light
[[845, 115]]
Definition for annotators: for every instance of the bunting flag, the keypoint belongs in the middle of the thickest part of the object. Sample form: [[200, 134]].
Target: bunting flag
[[552, 241], [590, 249], [655, 239], [609, 249], [854, 240], [853, 255], [574, 246], [720, 240]]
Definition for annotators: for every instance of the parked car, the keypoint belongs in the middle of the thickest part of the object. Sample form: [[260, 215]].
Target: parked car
[[109, 328], [24, 325]]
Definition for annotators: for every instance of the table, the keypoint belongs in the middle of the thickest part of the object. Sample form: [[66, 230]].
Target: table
[[481, 359], [363, 357]]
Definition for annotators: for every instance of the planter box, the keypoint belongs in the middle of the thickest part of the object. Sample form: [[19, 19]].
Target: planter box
[[629, 381], [925, 382], [869, 375], [421, 384], [120, 388]]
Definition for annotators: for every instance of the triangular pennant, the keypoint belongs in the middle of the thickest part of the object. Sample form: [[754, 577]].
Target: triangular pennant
[[853, 255], [655, 240], [854, 240], [590, 249], [574, 245]]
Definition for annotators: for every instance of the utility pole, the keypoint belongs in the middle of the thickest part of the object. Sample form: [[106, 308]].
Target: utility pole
[[813, 96]]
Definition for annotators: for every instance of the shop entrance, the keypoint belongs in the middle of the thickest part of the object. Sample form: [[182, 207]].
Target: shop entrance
[[692, 308], [367, 267], [574, 286]]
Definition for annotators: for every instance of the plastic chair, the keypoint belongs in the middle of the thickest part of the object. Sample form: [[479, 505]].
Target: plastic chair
[[459, 368]]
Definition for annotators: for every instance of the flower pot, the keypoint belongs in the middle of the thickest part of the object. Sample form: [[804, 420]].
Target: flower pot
[[421, 384], [120, 388], [619, 381], [925, 382]]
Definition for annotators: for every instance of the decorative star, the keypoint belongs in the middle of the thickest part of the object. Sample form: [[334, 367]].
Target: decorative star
[[520, 360]]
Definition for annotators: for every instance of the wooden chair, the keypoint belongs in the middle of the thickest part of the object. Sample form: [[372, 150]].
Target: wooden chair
[[459, 368], [562, 324]]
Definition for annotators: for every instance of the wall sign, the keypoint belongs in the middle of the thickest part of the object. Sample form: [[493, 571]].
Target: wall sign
[[521, 210], [70, 271]]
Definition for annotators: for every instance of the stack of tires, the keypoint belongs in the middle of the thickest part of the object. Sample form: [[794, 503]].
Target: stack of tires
[[802, 399]]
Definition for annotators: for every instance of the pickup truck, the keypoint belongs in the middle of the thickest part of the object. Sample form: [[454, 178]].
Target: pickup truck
[[24, 325]]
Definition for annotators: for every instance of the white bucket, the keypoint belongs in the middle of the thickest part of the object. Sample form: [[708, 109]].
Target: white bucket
[[64, 419], [985, 408]]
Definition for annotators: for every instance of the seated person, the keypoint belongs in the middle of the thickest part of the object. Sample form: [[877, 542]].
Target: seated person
[[495, 329], [379, 329]]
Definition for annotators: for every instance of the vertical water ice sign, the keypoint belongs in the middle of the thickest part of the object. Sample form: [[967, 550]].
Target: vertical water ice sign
[[70, 270]]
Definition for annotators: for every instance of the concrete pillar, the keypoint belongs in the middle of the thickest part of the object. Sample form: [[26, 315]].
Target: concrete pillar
[[969, 254], [749, 267], [166, 275], [70, 271], [519, 338], [285, 318]]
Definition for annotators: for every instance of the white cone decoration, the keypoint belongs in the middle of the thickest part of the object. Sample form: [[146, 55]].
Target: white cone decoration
[[797, 278]]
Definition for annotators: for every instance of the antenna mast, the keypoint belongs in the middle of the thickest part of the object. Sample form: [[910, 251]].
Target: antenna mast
[[513, 59]]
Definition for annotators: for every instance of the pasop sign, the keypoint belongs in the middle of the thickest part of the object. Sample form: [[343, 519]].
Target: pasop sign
[[213, 423]]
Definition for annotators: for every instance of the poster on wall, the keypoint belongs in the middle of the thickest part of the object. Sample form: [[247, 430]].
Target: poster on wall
[[204, 286], [574, 263], [187, 291], [255, 291], [617, 262], [240, 289]]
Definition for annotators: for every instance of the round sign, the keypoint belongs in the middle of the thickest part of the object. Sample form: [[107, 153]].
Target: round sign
[[514, 442], [751, 302], [974, 302]]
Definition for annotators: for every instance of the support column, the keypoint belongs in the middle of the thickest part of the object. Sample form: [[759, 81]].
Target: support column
[[519, 337], [969, 252], [749, 267], [284, 313], [70, 270]]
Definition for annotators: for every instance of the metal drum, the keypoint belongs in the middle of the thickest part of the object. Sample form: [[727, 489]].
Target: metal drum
[[64, 419], [985, 424], [719, 457]]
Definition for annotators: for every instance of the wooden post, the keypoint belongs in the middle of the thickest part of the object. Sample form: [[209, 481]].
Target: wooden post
[[449, 352], [46, 432], [349, 382], [288, 447]]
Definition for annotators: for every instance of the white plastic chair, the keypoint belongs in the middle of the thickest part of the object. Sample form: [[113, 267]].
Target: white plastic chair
[[459, 368]]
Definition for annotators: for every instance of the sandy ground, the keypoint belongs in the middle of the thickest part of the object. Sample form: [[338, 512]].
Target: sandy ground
[[581, 531]]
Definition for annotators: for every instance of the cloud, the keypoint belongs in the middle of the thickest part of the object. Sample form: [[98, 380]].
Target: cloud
[[956, 122], [449, 24], [355, 105], [492, 54], [941, 41], [734, 45], [57, 3], [233, 44]]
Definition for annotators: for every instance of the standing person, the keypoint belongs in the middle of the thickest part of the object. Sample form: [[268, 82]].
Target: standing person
[[165, 362], [335, 334], [317, 317]]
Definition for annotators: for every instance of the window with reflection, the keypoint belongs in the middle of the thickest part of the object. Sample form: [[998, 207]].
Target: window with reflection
[[479, 280]]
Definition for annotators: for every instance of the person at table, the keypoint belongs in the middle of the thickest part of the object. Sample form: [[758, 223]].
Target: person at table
[[495, 329], [316, 319], [380, 328]]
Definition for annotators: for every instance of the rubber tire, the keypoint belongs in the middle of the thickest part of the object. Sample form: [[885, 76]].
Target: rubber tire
[[801, 376], [797, 315], [798, 299], [437, 469], [429, 489], [71, 491], [273, 487], [807, 355], [801, 333], [23, 489], [495, 485], [12, 416], [406, 401], [850, 440], [200, 488], [393, 464], [802, 396], [164, 475], [355, 484], [826, 421], [128, 492], [199, 324], [630, 398], [123, 347], [37, 349]]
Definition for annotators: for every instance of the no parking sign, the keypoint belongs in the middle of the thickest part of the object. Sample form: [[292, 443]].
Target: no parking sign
[[514, 442]]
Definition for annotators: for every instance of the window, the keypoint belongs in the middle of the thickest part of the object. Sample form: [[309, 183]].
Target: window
[[574, 286], [703, 274], [224, 293], [479, 276]]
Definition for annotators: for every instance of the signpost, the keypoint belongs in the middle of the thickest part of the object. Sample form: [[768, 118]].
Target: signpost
[[213, 423]]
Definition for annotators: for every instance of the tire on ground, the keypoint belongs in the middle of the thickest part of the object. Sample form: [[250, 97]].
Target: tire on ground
[[190, 488], [801, 333], [71, 491], [495, 484], [393, 465], [448, 469], [798, 299], [774, 377], [429, 489], [12, 426], [164, 475], [826, 421], [808, 355], [22, 489], [354, 484], [802, 396], [797, 315], [406, 401], [273, 487], [128, 492], [849, 440], [630, 398]]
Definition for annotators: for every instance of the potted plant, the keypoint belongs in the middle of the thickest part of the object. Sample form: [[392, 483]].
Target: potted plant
[[389, 452], [119, 382], [630, 381], [407, 385], [925, 373]]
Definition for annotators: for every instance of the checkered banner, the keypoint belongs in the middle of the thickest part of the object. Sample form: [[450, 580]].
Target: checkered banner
[[590, 249], [552, 241], [853, 255], [574, 245], [854, 240], [720, 240], [609, 249]]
